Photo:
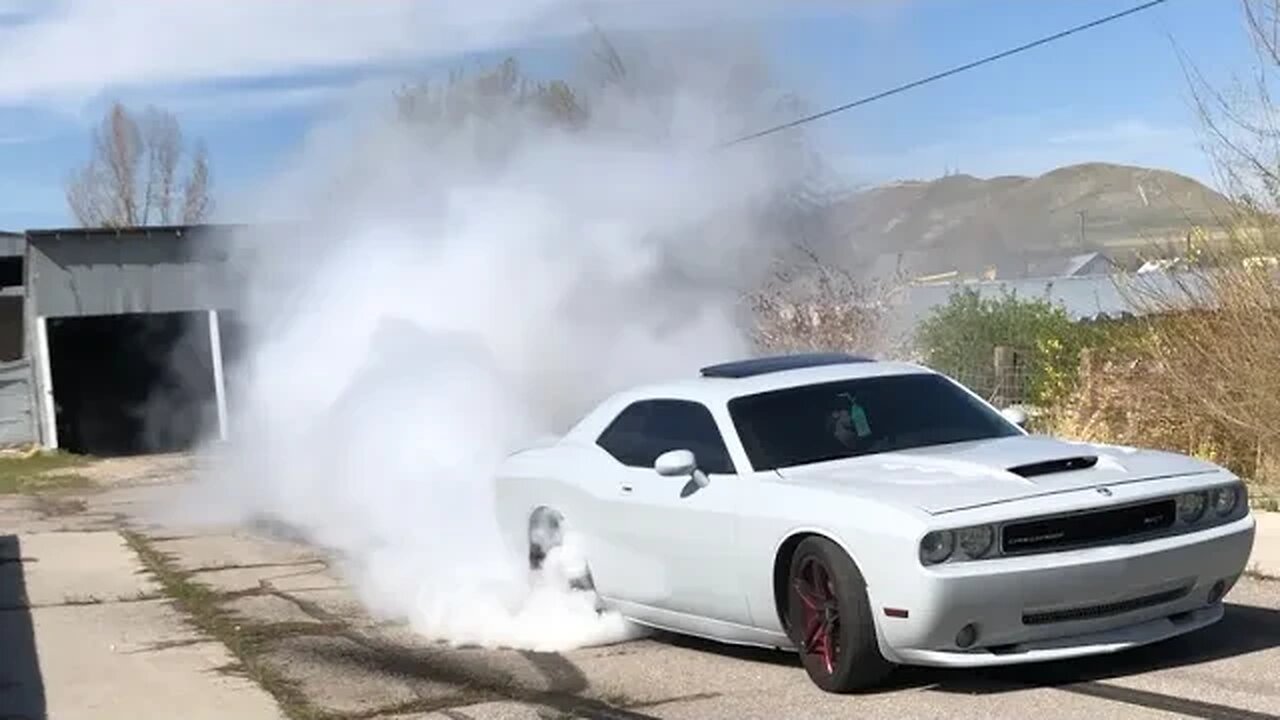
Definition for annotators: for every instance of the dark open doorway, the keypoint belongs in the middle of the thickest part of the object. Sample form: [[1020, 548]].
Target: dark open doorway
[[132, 384]]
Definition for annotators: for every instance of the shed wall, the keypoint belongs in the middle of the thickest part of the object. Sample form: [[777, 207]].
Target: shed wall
[[17, 415], [79, 276]]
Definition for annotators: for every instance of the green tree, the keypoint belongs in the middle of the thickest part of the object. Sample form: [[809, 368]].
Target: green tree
[[960, 339]]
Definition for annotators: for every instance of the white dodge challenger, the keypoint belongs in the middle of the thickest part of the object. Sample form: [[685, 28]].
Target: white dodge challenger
[[869, 514]]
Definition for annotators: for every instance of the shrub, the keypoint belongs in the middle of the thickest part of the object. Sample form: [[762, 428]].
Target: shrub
[[961, 337]]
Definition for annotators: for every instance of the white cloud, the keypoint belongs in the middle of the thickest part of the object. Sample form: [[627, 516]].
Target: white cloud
[[222, 103], [76, 49]]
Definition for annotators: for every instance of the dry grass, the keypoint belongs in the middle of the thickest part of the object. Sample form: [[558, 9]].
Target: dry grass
[[1200, 376], [40, 472], [1122, 401], [1204, 375]]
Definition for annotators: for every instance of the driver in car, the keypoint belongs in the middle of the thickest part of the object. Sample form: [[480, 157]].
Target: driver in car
[[848, 423]]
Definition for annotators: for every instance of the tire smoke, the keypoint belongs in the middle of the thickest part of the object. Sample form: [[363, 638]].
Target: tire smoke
[[463, 286]]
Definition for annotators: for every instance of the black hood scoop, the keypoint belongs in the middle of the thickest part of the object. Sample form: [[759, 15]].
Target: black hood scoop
[[1049, 467]]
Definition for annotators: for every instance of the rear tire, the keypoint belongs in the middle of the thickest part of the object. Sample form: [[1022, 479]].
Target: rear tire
[[830, 619], [546, 533]]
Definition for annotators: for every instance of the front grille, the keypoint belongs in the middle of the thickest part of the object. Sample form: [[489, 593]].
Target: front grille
[[1093, 612], [1086, 529]]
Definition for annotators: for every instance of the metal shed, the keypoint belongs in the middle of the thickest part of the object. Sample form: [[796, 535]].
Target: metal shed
[[138, 272]]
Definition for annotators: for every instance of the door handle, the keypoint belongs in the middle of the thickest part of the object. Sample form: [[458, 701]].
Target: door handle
[[626, 487]]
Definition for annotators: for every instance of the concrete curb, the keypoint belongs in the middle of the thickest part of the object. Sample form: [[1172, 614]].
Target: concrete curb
[[1265, 559]]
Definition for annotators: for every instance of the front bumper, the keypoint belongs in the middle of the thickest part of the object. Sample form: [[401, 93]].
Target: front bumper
[[1063, 605]]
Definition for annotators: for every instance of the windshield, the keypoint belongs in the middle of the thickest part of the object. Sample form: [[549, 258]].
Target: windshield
[[849, 418]]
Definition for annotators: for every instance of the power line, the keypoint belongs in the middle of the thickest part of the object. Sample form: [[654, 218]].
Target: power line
[[947, 73]]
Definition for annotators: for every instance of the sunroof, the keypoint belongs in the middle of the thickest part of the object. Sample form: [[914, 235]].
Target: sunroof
[[779, 363]]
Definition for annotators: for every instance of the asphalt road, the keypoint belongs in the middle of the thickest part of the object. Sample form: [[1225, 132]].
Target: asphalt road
[[275, 633]]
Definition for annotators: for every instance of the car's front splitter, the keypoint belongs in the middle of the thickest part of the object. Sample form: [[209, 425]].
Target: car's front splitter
[[1066, 648]]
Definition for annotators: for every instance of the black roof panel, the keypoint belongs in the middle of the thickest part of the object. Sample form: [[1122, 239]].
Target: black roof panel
[[778, 363]]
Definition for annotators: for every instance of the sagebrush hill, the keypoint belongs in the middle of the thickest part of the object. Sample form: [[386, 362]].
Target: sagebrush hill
[[968, 223]]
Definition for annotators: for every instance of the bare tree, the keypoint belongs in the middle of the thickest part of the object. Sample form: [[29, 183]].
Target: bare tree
[[811, 304], [135, 174]]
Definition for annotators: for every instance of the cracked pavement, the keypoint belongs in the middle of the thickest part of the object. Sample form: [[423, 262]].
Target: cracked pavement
[[104, 615]]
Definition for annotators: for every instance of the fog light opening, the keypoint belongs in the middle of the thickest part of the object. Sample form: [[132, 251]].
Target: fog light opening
[[1217, 591], [967, 636]]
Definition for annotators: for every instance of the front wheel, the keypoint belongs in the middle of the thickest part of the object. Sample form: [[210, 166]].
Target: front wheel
[[830, 619]]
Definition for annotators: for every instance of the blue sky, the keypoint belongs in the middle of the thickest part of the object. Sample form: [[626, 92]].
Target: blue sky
[[250, 78]]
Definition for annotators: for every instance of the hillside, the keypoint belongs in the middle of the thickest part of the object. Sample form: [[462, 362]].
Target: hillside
[[964, 222]]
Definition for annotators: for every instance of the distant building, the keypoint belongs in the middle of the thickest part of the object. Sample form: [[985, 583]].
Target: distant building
[[924, 268], [1083, 297], [1082, 265]]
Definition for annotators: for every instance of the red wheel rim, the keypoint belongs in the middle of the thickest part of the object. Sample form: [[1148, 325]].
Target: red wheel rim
[[820, 613]]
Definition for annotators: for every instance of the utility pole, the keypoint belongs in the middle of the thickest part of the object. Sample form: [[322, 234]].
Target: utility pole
[[1081, 213]]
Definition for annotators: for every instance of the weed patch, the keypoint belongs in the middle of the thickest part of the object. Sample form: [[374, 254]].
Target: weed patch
[[41, 472]]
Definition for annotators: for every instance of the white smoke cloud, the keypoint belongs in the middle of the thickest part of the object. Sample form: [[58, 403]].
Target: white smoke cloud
[[452, 297]]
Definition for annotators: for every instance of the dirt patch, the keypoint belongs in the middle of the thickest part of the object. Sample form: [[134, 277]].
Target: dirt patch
[[51, 506], [139, 470], [39, 471]]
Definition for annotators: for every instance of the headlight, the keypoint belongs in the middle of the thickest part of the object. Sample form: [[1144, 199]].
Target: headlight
[[937, 546], [1191, 506], [976, 542], [1225, 500]]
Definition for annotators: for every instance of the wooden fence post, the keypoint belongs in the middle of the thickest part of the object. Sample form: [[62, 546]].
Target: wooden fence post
[[1005, 365]]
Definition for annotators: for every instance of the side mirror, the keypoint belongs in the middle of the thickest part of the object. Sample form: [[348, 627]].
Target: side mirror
[[680, 463], [1015, 415], [676, 463]]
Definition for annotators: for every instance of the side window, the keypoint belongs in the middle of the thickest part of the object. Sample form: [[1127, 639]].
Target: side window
[[624, 439], [646, 429]]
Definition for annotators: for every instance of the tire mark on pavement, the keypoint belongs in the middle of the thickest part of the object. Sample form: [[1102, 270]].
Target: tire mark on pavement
[[692, 697], [565, 678], [561, 675], [259, 566], [1168, 703]]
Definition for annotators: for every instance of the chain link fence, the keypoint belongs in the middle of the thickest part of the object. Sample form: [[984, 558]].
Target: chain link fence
[[1004, 379]]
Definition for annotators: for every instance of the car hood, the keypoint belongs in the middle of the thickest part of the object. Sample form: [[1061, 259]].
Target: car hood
[[973, 474]]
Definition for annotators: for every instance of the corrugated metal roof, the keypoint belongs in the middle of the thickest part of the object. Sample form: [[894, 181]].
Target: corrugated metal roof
[[99, 271], [1067, 266], [148, 231]]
